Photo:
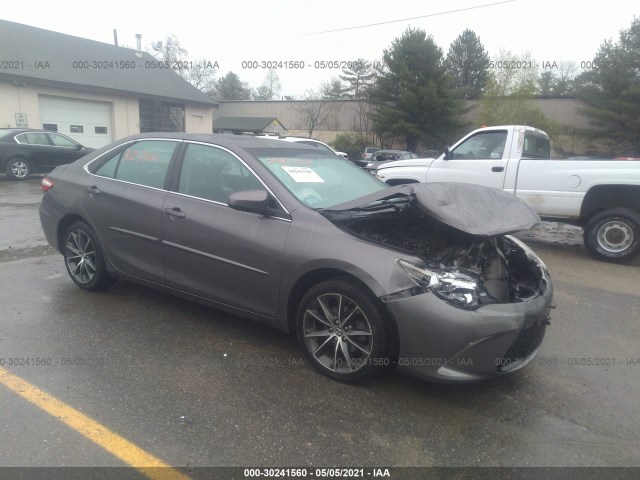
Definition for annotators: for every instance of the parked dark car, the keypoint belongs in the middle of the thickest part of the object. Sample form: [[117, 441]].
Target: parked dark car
[[418, 276], [26, 151]]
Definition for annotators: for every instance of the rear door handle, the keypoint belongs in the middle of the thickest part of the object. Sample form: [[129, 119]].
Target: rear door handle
[[497, 169], [175, 212], [94, 190]]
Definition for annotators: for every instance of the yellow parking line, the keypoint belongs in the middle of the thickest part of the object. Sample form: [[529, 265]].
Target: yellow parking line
[[113, 443]]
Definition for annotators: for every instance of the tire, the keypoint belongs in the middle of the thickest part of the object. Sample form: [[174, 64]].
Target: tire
[[18, 168], [613, 235], [83, 258], [352, 346]]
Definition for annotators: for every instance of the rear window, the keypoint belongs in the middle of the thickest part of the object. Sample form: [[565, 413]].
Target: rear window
[[144, 163], [536, 145]]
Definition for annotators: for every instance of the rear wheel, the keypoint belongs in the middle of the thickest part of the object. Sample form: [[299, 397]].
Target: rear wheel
[[18, 169], [342, 330], [84, 259], [613, 234]]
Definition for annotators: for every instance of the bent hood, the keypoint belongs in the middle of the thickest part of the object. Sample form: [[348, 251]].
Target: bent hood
[[473, 209]]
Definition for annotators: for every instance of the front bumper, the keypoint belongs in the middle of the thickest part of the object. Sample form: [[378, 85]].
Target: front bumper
[[439, 342]]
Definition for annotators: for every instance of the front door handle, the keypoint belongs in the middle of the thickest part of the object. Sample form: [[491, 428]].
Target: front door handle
[[93, 190], [497, 169], [175, 212]]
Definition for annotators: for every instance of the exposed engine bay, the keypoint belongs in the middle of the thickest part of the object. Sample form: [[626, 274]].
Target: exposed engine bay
[[503, 268]]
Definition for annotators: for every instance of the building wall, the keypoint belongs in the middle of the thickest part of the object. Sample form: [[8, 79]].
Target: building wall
[[125, 117], [198, 119], [345, 118]]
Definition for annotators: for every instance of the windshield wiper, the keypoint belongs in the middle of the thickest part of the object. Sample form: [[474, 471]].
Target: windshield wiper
[[384, 204]]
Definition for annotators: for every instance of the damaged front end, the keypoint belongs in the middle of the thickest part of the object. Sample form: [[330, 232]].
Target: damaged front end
[[481, 298], [463, 269]]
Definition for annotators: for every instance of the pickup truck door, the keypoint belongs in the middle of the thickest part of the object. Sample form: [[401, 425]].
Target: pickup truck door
[[480, 159]]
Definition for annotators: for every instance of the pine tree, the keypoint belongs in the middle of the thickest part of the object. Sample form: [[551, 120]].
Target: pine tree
[[611, 91], [414, 98], [467, 61]]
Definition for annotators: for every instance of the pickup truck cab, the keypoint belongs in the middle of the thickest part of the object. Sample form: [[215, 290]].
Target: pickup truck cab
[[603, 196]]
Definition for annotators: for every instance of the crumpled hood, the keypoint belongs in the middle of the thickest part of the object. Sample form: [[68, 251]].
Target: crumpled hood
[[474, 209]]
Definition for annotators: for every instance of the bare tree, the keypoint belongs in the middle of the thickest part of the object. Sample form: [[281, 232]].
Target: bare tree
[[202, 75], [169, 51], [314, 112], [199, 73], [359, 78], [270, 87]]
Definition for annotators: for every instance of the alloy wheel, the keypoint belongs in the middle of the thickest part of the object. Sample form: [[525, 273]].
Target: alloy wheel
[[80, 256], [19, 169], [337, 333]]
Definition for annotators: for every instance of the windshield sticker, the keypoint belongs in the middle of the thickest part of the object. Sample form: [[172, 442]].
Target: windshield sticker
[[303, 175], [290, 161]]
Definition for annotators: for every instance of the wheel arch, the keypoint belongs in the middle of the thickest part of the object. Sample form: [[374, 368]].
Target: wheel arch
[[603, 197], [64, 225]]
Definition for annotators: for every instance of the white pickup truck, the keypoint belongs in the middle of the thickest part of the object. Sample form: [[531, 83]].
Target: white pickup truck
[[603, 196]]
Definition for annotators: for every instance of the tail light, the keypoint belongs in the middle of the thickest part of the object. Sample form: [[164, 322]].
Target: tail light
[[47, 184]]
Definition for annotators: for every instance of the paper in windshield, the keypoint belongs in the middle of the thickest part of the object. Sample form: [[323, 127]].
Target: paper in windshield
[[303, 174]]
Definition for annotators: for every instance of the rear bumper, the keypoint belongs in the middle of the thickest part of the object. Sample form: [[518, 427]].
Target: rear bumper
[[50, 219]]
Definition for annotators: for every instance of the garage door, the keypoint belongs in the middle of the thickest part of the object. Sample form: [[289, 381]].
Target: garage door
[[87, 122]]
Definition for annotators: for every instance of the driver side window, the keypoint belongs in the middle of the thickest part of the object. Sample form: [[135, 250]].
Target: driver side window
[[484, 145], [213, 174]]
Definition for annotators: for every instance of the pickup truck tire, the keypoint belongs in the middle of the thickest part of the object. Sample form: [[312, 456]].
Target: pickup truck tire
[[613, 235]]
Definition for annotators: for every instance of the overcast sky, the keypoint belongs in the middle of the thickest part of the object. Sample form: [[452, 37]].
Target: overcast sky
[[233, 32]]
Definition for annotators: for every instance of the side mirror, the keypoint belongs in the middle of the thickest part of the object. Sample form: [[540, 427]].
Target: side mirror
[[447, 154], [256, 201]]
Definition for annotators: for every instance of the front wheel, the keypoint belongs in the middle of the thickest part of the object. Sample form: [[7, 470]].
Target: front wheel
[[84, 259], [342, 330], [613, 235], [18, 169]]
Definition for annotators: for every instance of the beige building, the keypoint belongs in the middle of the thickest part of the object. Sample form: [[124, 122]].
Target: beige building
[[350, 117], [91, 91]]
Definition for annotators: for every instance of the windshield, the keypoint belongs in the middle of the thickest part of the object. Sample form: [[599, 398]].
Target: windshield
[[318, 180]]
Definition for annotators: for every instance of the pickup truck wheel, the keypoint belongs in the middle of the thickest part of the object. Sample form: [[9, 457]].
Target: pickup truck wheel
[[613, 234]]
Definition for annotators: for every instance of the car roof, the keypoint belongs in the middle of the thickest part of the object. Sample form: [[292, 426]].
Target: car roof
[[22, 130], [223, 139], [291, 138], [6, 133]]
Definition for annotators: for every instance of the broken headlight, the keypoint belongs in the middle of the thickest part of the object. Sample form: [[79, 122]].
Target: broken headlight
[[458, 287]]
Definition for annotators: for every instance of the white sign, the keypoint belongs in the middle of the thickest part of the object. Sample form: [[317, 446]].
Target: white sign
[[303, 174], [21, 120]]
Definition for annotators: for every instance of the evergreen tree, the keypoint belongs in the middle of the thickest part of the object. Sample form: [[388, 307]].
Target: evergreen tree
[[358, 77], [230, 87], [611, 90], [333, 89], [467, 61], [414, 98]]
